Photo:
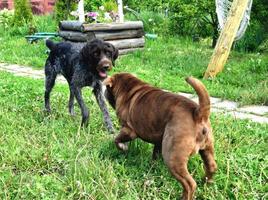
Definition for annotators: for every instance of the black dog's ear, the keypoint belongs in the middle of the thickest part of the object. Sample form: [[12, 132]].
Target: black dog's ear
[[115, 54]]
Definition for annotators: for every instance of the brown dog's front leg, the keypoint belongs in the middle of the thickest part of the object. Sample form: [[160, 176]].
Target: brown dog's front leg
[[125, 135], [209, 162]]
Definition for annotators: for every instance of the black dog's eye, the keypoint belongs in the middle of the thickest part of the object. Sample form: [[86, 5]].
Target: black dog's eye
[[108, 53]]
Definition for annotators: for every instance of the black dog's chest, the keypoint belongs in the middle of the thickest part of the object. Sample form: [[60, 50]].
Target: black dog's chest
[[83, 78]]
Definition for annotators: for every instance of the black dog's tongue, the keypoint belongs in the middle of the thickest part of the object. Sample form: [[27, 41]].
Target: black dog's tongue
[[102, 74]]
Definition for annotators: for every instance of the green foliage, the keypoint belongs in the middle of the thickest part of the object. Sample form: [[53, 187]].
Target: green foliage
[[152, 22], [110, 6], [6, 18], [191, 18], [50, 157], [94, 5], [256, 33], [63, 9], [23, 13], [254, 36]]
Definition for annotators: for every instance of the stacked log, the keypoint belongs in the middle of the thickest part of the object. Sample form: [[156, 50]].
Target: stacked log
[[127, 36]]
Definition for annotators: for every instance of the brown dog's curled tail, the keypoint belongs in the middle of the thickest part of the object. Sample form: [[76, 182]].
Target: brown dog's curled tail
[[202, 113]]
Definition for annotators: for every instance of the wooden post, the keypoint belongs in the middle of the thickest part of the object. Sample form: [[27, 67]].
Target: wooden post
[[120, 11], [226, 39], [81, 11]]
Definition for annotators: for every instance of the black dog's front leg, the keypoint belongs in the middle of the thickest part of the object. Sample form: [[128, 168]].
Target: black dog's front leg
[[78, 95], [100, 99]]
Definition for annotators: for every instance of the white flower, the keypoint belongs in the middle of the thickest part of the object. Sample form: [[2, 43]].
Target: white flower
[[101, 7]]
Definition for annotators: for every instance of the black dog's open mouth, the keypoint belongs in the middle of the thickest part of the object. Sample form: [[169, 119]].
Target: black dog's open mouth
[[102, 73]]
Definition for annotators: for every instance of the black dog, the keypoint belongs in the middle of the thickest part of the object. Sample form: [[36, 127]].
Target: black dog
[[87, 67]]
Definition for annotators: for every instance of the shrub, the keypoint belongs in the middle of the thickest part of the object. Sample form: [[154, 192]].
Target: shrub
[[93, 5], [153, 22], [256, 34], [253, 38], [63, 9], [23, 14], [6, 17]]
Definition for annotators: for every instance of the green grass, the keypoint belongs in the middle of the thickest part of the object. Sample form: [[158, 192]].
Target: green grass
[[49, 157], [165, 62]]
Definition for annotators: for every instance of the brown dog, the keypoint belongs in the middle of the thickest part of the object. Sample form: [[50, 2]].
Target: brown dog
[[174, 124]]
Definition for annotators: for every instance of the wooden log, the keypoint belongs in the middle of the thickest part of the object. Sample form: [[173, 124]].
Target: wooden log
[[104, 35], [77, 36], [128, 43], [70, 25], [79, 45], [225, 41], [119, 34], [112, 26]]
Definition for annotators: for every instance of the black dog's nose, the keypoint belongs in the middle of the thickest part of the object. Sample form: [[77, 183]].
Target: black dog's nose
[[105, 67]]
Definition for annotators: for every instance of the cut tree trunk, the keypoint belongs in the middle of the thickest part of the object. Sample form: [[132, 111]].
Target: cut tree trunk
[[104, 35], [226, 39], [112, 26]]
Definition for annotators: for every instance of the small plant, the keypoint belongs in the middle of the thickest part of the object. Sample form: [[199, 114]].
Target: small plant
[[6, 17]]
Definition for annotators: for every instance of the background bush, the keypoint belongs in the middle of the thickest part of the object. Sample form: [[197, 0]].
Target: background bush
[[23, 13], [63, 9], [197, 19]]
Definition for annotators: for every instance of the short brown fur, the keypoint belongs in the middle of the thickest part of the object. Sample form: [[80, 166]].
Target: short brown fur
[[177, 126]]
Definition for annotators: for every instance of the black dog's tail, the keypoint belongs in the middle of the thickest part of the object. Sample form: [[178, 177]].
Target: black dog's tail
[[50, 44]]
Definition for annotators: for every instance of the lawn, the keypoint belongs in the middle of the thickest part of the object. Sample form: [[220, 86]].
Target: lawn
[[165, 63], [49, 157]]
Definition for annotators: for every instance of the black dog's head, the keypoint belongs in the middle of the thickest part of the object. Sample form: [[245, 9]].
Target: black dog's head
[[99, 56]]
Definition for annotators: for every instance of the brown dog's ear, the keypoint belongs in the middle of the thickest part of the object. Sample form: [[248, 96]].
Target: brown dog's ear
[[108, 81]]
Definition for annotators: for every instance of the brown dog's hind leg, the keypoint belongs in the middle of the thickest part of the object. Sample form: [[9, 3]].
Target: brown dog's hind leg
[[176, 150], [180, 172], [125, 135], [209, 162]]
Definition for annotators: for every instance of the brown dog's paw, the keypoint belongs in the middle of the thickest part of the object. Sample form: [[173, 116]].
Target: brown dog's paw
[[122, 146]]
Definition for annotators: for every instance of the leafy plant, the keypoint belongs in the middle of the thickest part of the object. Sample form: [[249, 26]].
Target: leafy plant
[[6, 17], [23, 13], [63, 9]]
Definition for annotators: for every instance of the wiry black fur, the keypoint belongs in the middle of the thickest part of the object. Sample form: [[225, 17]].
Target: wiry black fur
[[80, 68]]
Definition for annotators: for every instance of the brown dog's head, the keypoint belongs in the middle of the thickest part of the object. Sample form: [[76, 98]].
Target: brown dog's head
[[100, 56], [119, 83]]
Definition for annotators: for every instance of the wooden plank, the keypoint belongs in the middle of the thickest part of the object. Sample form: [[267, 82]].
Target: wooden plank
[[77, 36], [112, 26], [225, 41], [119, 34], [70, 25], [128, 43]]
